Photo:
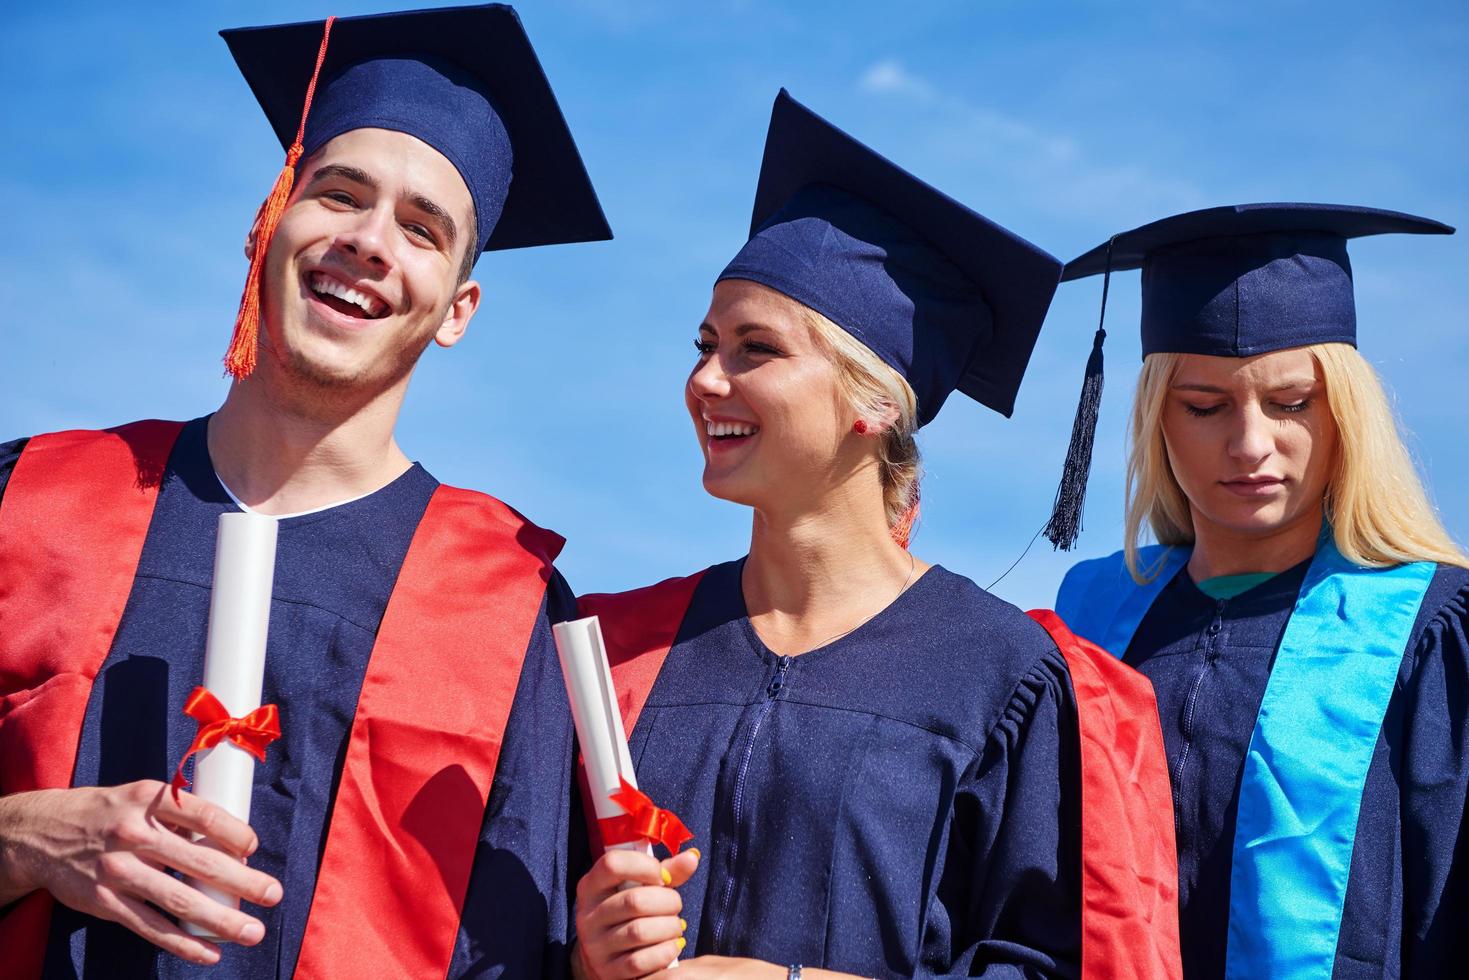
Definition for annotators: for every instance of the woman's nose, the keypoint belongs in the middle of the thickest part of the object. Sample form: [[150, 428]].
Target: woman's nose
[[1253, 439], [709, 379]]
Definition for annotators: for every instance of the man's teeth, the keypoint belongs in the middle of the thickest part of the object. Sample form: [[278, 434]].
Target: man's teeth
[[328, 286], [730, 428]]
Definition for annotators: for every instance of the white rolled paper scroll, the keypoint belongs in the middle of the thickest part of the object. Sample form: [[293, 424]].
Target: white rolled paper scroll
[[234, 663], [598, 721]]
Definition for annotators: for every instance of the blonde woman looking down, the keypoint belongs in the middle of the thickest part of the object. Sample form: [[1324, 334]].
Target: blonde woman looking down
[[1304, 617]]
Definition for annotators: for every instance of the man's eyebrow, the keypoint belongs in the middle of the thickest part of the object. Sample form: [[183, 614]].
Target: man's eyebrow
[[438, 215], [342, 172]]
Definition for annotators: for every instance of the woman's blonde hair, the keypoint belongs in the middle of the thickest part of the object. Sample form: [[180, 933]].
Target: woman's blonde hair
[[883, 399], [1378, 510]]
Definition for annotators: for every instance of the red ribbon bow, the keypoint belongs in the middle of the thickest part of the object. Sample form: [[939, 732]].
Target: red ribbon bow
[[252, 733], [643, 821]]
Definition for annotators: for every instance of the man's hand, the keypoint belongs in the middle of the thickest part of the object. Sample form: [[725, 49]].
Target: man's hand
[[630, 932], [105, 851]]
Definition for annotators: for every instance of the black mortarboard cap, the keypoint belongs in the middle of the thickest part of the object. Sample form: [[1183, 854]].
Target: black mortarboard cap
[[946, 297], [1244, 280], [465, 80], [1230, 282]]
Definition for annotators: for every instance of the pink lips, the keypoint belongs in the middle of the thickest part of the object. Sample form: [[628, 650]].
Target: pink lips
[[727, 443], [1253, 486]]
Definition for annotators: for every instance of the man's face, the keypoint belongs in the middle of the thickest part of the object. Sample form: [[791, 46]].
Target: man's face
[[363, 270]]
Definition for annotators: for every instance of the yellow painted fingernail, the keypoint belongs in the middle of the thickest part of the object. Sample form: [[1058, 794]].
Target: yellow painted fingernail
[[682, 942], [667, 878], [682, 925]]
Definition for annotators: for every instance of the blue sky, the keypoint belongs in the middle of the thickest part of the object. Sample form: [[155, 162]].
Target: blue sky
[[135, 157]]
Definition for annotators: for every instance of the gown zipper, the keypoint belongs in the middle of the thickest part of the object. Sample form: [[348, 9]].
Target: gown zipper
[[1211, 654], [772, 691]]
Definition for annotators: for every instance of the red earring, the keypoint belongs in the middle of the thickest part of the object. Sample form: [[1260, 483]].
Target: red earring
[[860, 427]]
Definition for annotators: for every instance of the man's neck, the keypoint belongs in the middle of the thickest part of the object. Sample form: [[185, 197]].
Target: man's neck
[[1221, 551], [280, 457]]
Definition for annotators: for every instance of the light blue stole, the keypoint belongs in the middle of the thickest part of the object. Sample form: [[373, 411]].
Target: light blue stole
[[1319, 721]]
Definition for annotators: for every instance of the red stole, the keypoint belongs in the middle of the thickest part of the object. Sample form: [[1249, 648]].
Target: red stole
[[638, 628], [1129, 867], [420, 762], [1129, 871], [72, 524]]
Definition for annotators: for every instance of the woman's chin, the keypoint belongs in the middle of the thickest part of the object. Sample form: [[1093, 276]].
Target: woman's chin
[[1248, 519], [728, 486]]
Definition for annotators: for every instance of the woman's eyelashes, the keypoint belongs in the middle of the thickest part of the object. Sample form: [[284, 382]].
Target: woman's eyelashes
[[706, 347], [1204, 411]]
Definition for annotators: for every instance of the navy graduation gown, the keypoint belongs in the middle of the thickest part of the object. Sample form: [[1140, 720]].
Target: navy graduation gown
[[335, 571], [1408, 891], [903, 801]]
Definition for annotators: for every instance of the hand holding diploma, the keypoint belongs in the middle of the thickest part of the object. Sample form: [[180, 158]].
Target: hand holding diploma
[[234, 728], [107, 851], [627, 906]]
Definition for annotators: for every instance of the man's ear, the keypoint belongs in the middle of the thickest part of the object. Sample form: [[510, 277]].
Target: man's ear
[[250, 244], [457, 316]]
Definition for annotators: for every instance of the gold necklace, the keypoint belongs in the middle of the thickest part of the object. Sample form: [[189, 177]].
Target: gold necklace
[[912, 566]]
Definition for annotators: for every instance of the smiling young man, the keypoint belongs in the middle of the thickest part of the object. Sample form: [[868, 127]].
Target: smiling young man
[[411, 818]]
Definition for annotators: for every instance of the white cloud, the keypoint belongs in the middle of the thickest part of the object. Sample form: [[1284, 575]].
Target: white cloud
[[889, 77], [1051, 166]]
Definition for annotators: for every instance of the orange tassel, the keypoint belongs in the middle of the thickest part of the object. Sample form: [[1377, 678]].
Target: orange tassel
[[239, 360]]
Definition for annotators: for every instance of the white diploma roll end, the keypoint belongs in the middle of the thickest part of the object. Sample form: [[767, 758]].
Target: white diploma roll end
[[598, 718], [234, 662]]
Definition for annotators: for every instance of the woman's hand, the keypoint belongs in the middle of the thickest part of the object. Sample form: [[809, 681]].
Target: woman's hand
[[738, 968], [630, 932]]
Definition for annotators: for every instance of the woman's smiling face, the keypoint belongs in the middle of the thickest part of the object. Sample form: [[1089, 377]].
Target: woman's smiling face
[[765, 401]]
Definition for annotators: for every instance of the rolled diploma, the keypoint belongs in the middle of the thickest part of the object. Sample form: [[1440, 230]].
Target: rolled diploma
[[598, 721], [234, 663]]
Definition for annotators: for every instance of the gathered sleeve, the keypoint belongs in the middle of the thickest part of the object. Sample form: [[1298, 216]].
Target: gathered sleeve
[[1009, 899], [1434, 786]]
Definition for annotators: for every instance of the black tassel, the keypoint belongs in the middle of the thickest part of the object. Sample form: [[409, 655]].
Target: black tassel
[[1064, 527]]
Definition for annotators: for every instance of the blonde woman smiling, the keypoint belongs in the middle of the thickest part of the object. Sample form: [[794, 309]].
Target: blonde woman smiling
[[1304, 617], [881, 762]]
